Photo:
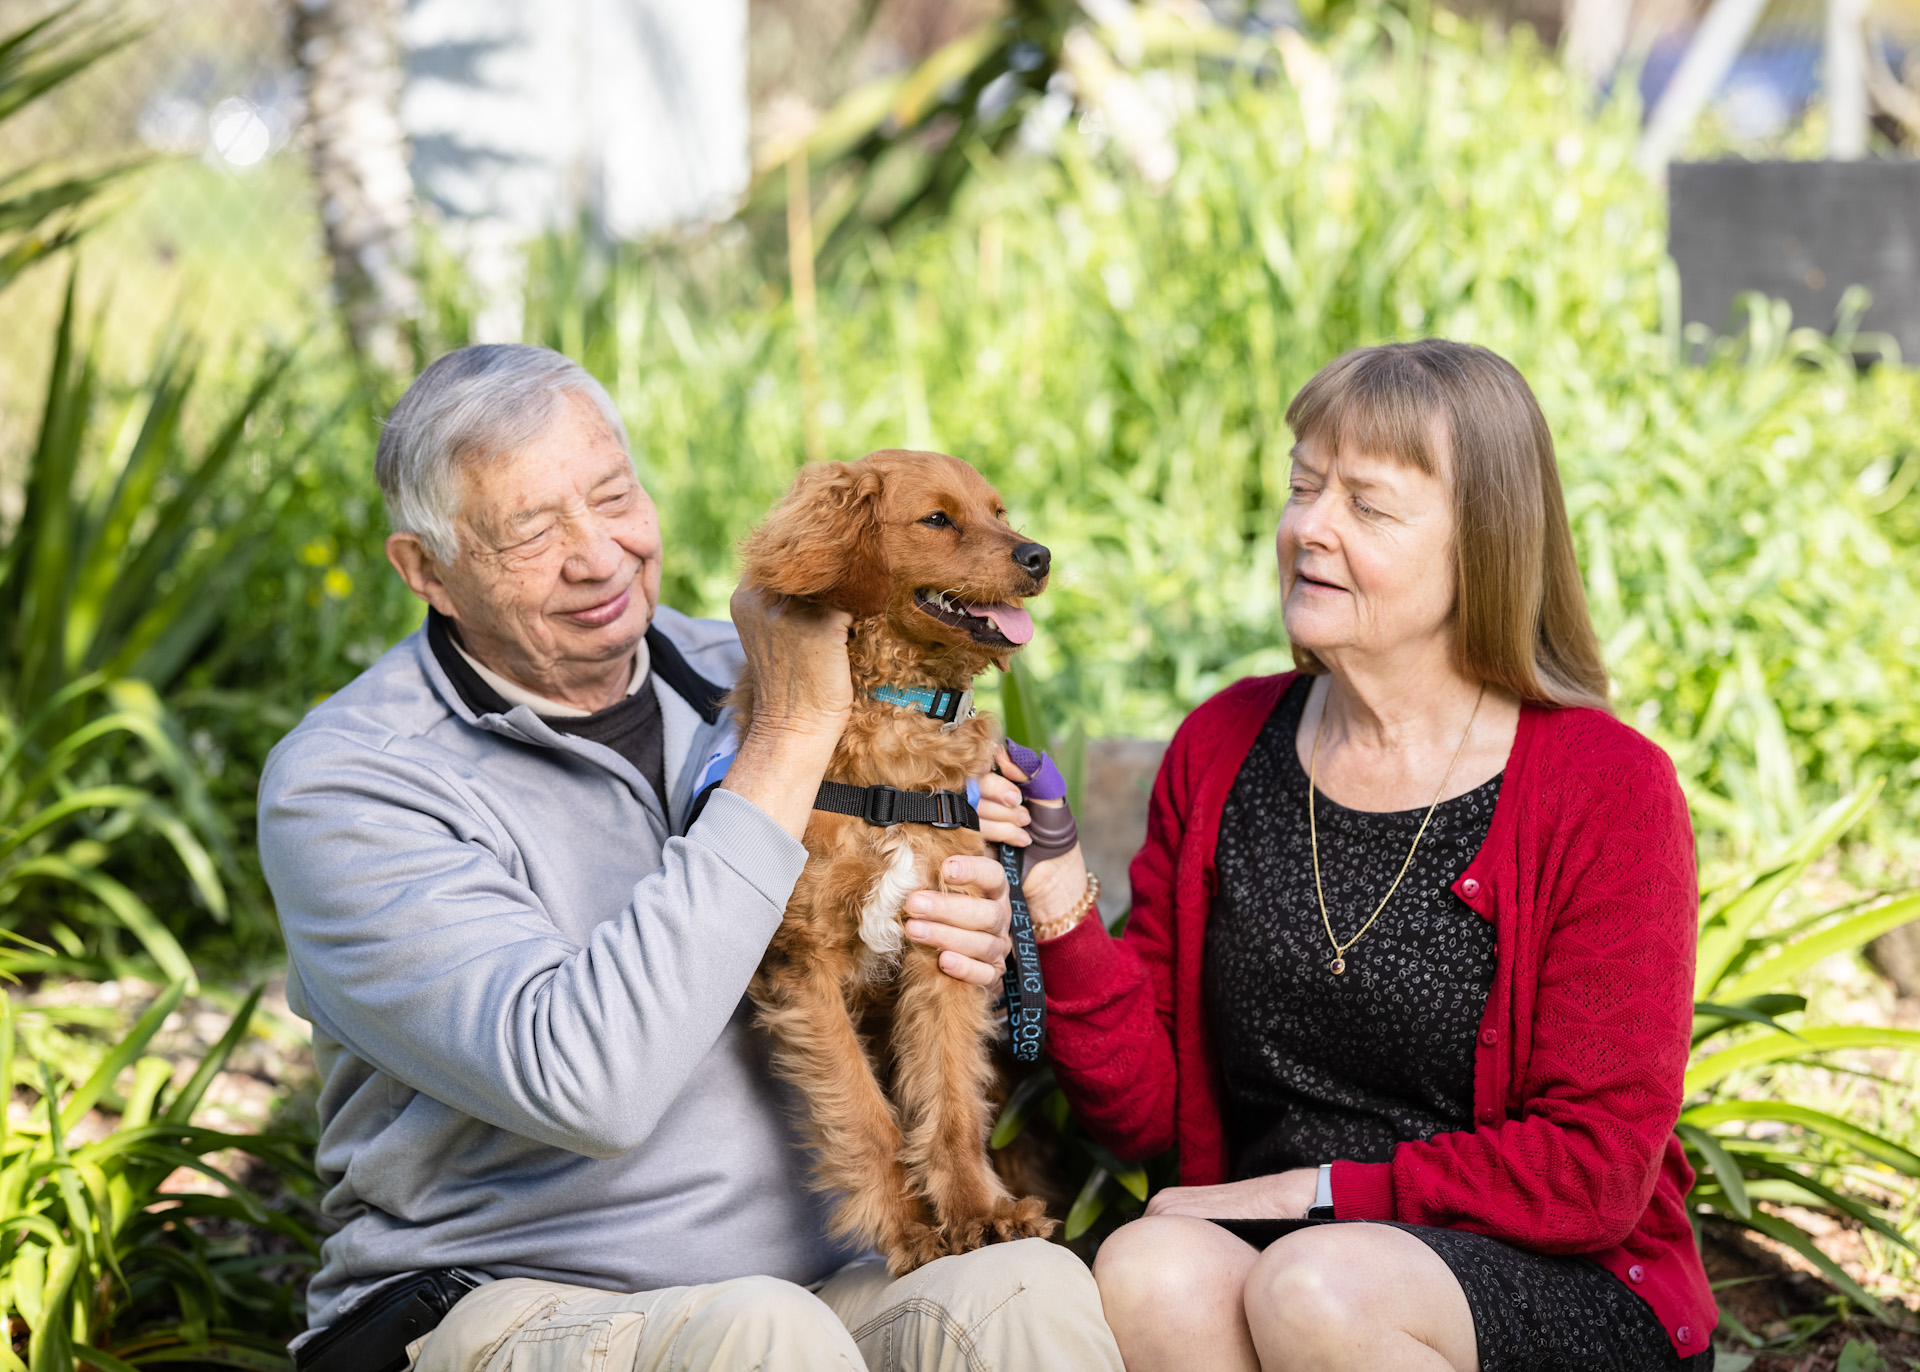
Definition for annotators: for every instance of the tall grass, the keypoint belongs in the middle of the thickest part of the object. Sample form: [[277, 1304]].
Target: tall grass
[[1119, 361]]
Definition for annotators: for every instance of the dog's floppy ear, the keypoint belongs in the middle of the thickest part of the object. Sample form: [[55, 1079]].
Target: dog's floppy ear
[[822, 542]]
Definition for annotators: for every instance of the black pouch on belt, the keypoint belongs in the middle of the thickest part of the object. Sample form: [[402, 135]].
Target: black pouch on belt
[[373, 1335]]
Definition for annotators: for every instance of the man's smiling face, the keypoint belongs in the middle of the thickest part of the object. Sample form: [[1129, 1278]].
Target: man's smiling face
[[558, 571]]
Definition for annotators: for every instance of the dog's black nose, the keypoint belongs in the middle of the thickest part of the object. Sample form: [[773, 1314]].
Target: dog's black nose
[[1034, 559]]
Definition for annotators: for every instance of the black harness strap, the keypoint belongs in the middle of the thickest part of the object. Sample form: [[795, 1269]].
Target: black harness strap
[[889, 805]]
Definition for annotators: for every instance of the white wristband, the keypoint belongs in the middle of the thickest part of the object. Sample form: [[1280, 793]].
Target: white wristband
[[1322, 1207]]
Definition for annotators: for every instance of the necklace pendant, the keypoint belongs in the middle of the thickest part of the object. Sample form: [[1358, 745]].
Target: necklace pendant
[[1337, 966]]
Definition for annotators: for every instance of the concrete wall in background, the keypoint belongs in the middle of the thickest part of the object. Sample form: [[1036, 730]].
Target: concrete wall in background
[[525, 114], [1802, 232], [532, 111]]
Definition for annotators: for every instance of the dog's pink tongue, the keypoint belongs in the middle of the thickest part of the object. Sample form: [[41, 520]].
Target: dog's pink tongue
[[1016, 626]]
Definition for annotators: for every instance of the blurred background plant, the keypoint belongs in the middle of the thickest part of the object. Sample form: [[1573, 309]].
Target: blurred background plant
[[1090, 245], [41, 214]]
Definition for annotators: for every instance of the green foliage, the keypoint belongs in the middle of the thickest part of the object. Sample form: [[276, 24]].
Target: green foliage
[[128, 553], [1860, 1356], [68, 800], [1024, 715], [897, 147], [101, 1262], [123, 560], [1750, 1146], [39, 216], [1119, 361]]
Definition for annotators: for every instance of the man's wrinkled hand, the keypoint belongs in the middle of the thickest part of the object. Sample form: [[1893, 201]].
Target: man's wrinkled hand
[[968, 923], [803, 698], [798, 653]]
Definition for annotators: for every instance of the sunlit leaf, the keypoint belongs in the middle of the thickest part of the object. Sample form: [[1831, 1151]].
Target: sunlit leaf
[[1724, 1169], [1766, 1048], [1088, 1205]]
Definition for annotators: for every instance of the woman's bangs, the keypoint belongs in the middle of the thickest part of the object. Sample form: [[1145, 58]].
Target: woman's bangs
[[1380, 405]]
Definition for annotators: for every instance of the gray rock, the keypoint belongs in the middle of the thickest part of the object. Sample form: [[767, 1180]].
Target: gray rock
[[1896, 954], [1113, 818]]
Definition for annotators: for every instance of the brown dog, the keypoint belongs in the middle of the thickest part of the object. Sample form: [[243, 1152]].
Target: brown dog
[[889, 1052]]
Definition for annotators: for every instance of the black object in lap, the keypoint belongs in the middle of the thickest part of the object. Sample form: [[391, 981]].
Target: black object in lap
[[1263, 1233], [372, 1335]]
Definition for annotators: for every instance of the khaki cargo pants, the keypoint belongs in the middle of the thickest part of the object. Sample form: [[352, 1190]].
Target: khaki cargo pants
[[1013, 1307]]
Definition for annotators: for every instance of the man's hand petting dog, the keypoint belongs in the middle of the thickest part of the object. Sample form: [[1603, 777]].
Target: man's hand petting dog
[[1052, 887], [798, 653], [969, 924]]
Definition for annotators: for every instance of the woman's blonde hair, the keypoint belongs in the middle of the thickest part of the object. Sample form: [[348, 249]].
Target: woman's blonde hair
[[1520, 612]]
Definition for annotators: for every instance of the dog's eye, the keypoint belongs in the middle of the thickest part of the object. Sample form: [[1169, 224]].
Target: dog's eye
[[937, 520]]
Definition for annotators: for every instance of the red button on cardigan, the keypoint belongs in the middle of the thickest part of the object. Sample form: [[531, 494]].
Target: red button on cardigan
[[1588, 878]]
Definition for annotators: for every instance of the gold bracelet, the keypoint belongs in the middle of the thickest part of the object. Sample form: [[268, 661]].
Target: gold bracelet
[[1044, 931]]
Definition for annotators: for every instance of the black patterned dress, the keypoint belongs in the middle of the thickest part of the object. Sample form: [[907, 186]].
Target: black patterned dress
[[1320, 1068]]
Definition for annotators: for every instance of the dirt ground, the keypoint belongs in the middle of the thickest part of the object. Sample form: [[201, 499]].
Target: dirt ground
[[1803, 1322]]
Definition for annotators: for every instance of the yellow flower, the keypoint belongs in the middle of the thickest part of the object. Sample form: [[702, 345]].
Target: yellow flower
[[336, 583]]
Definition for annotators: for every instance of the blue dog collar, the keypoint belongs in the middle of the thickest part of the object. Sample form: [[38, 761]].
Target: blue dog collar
[[935, 702]]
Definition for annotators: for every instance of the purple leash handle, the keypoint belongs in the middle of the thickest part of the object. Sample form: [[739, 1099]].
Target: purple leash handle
[[1044, 781], [1051, 827]]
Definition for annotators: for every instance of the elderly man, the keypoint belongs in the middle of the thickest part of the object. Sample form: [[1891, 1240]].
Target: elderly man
[[543, 1103]]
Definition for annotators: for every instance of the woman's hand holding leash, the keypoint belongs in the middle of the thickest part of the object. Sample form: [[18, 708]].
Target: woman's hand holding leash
[[1054, 886]]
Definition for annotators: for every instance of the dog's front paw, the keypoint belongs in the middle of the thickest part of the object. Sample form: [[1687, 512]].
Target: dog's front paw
[[1023, 1217], [915, 1246]]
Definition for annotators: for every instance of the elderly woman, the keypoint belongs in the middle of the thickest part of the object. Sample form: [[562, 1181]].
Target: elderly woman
[[1411, 943]]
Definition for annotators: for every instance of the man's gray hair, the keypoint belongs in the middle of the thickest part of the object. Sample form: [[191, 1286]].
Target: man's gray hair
[[475, 404]]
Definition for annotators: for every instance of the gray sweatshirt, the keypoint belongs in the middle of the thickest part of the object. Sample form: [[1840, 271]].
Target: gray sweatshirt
[[527, 990]]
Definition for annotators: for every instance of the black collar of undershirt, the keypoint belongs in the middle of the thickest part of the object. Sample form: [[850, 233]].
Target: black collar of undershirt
[[482, 699]]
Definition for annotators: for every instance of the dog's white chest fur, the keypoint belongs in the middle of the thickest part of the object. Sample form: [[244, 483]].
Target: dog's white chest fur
[[900, 878]]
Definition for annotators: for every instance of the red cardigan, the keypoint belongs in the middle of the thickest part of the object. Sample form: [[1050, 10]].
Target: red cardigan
[[1588, 877]]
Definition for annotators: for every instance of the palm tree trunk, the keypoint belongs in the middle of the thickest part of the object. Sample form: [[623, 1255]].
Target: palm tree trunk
[[348, 52]]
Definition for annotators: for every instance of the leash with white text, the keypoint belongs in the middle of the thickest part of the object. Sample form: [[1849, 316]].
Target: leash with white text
[[1051, 832], [1026, 992]]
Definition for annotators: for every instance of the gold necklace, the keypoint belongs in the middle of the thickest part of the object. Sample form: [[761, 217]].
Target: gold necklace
[[1339, 963]]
